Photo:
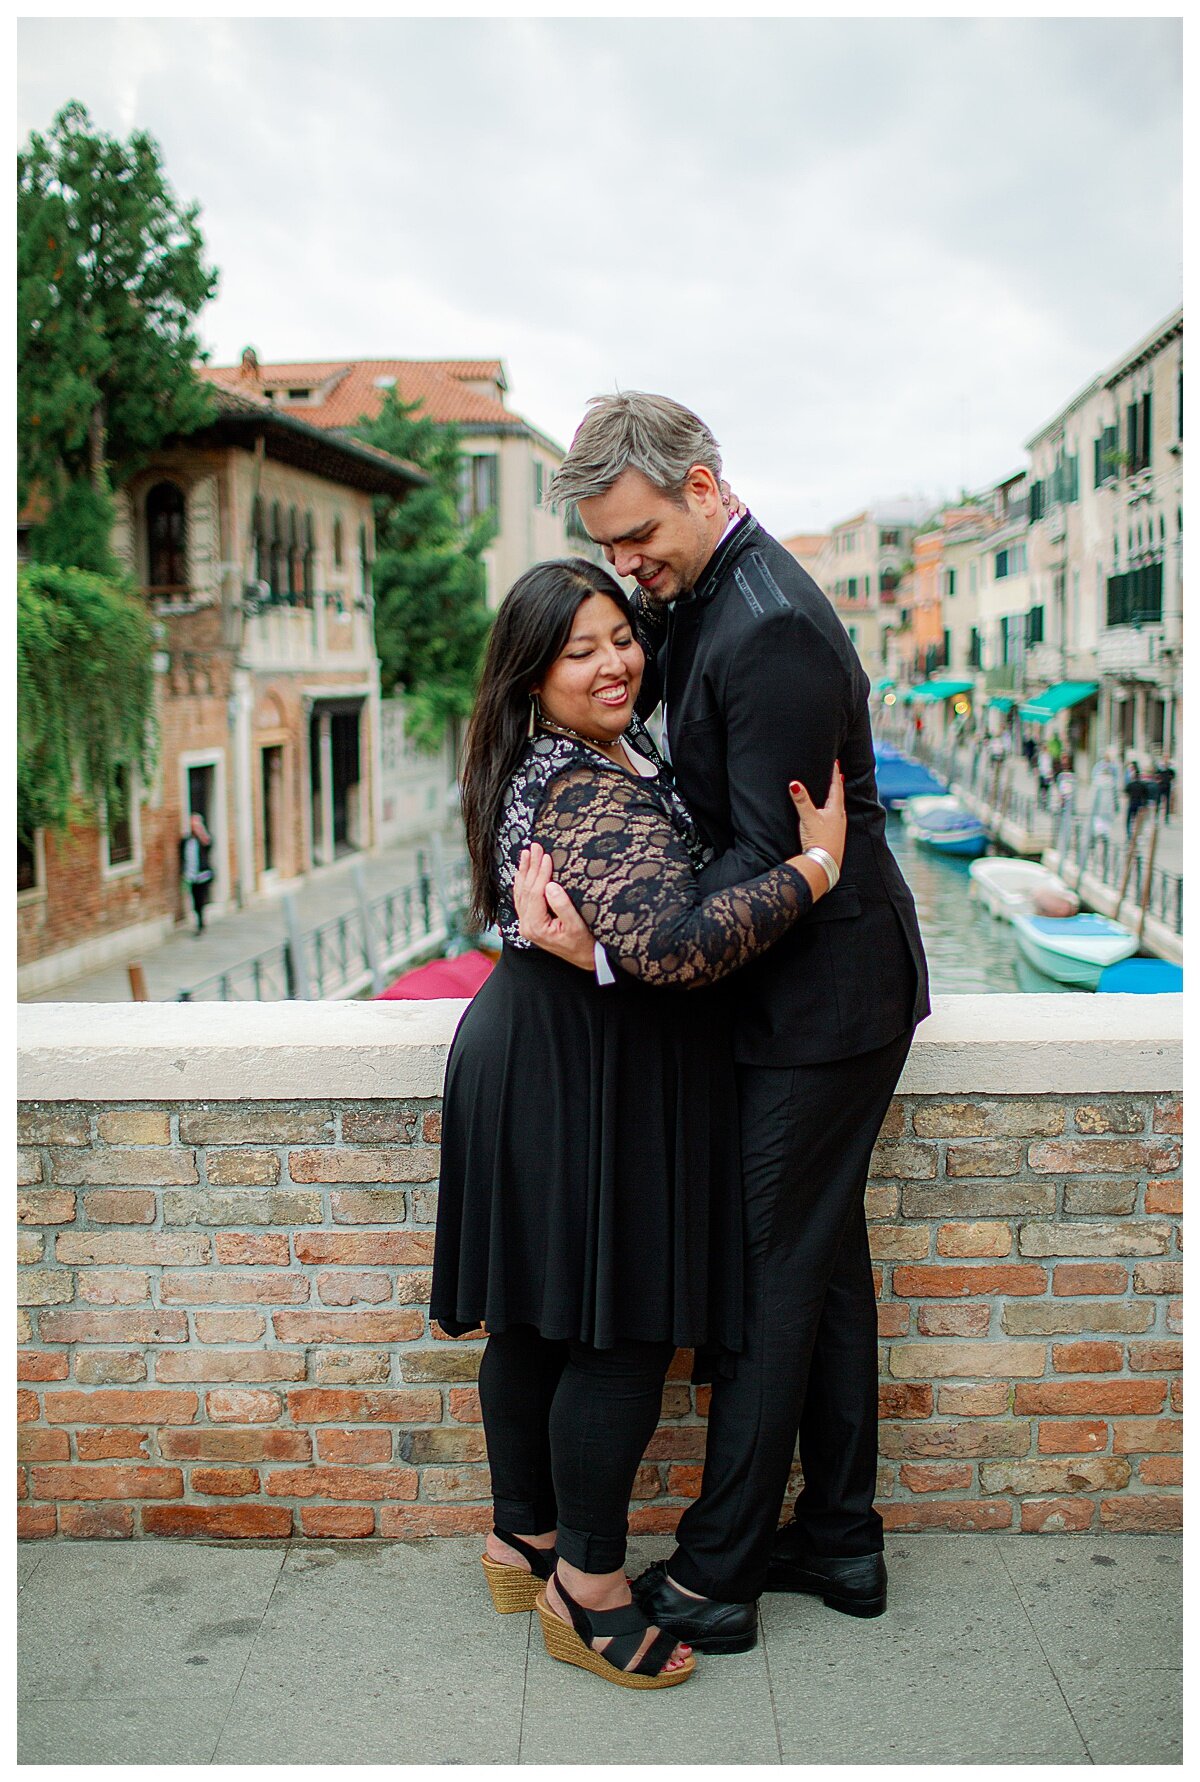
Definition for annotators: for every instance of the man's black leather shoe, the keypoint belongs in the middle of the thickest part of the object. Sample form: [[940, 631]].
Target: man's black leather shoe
[[701, 1622], [856, 1585]]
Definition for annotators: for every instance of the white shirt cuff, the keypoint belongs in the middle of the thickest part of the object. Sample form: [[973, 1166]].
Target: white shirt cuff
[[604, 971]]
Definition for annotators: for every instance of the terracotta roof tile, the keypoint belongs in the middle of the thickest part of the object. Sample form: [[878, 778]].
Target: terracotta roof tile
[[437, 384]]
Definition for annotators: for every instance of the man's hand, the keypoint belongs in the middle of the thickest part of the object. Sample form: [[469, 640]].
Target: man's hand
[[545, 914]]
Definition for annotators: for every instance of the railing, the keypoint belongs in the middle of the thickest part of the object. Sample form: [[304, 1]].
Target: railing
[[343, 956], [1108, 858]]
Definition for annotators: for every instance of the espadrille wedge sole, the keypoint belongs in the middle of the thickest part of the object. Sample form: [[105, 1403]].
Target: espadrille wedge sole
[[563, 1643], [514, 1592]]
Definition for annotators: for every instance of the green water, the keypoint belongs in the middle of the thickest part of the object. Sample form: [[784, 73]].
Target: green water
[[969, 951]]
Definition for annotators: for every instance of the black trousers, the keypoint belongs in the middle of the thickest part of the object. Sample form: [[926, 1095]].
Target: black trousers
[[809, 1367], [566, 1426], [201, 890]]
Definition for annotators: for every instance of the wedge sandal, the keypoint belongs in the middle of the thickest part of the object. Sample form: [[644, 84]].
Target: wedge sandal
[[625, 1629], [514, 1592]]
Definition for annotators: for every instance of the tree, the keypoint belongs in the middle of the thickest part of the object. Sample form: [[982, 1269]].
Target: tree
[[85, 693], [110, 276], [431, 618]]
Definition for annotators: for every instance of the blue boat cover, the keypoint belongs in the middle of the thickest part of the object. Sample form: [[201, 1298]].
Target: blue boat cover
[[950, 822], [1087, 923], [1141, 977]]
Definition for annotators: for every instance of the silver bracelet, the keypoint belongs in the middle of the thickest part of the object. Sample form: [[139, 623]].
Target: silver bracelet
[[826, 861]]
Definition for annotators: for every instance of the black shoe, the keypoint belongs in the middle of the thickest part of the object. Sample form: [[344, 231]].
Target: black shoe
[[700, 1622], [856, 1585]]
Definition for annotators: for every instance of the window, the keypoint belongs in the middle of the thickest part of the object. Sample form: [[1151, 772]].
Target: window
[[119, 818], [299, 395], [166, 537], [310, 554], [889, 581], [1104, 450], [1064, 479], [364, 561], [1037, 501], [27, 865], [946, 647], [889, 538], [975, 650], [1001, 565], [295, 555], [1135, 598], [337, 543], [1035, 625], [258, 539], [275, 571], [478, 486], [852, 587], [539, 482], [1137, 425], [866, 587]]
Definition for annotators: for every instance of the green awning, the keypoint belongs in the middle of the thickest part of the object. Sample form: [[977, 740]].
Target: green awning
[[930, 691], [1003, 702], [882, 684], [1060, 698]]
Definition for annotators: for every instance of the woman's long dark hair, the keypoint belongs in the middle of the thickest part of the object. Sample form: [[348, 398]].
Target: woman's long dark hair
[[531, 630]]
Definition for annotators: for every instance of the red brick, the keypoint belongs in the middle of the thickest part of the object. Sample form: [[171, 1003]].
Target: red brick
[[235, 1444], [1095, 1156], [35, 1522], [1057, 1515], [220, 1288], [400, 1326], [901, 1400], [106, 1481], [114, 1327], [344, 1287], [341, 1164], [362, 1446], [1050, 1398], [975, 1238], [40, 1364], [988, 1400], [936, 1478], [227, 1521], [1087, 1358], [1090, 1277], [646, 1484], [109, 1367], [96, 1522], [124, 1168], [1147, 1435], [1158, 1277], [1135, 1514], [384, 1249], [45, 1206], [431, 1129], [943, 1320], [248, 1406], [964, 1516], [1174, 1315], [998, 1157], [121, 1206], [270, 1247], [954, 1441], [943, 1283], [317, 1404], [27, 1406], [121, 1407], [229, 1327], [684, 1481], [1168, 1114], [1177, 1395], [1164, 1197], [114, 1444], [408, 1522], [213, 1365], [340, 1522], [677, 1444], [1153, 1358], [43, 1444], [464, 1404], [158, 1249], [224, 1481], [443, 1484], [1161, 1469], [114, 1286], [658, 1519], [893, 1319], [1063, 1437], [345, 1482]]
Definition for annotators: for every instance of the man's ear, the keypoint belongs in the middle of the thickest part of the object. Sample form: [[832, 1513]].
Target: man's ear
[[704, 490]]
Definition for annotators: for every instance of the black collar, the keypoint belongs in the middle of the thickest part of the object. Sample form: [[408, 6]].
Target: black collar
[[710, 576]]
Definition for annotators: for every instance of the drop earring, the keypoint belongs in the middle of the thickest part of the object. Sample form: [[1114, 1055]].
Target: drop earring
[[534, 714]]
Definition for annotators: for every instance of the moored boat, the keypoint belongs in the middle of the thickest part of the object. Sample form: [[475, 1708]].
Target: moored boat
[[898, 779], [1073, 949], [942, 824], [1141, 977], [1020, 888]]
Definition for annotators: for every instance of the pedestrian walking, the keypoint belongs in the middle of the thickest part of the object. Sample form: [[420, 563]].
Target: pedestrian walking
[[195, 866], [1135, 795], [1165, 776], [1045, 776]]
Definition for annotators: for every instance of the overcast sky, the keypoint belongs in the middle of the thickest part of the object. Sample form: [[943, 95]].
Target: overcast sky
[[875, 255]]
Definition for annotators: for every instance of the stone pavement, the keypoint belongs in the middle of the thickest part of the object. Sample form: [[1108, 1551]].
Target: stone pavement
[[997, 1649], [186, 958]]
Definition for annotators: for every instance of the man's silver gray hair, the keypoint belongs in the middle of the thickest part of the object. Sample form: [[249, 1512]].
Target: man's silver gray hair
[[634, 431]]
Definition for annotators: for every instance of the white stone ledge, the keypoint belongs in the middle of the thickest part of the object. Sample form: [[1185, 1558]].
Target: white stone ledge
[[295, 1051]]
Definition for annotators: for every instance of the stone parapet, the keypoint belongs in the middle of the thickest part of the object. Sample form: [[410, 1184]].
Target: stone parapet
[[225, 1228]]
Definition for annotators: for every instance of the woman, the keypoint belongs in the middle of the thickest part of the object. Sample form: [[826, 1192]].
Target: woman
[[589, 1207]]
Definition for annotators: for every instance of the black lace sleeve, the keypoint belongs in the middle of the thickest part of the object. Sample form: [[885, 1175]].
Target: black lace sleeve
[[627, 870]]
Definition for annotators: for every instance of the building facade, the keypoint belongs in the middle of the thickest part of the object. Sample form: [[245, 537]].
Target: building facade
[[860, 568], [252, 541]]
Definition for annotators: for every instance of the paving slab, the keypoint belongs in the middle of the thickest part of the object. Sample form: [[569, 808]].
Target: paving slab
[[1133, 1718], [117, 1730], [29, 1557], [1098, 1602], [951, 1674]]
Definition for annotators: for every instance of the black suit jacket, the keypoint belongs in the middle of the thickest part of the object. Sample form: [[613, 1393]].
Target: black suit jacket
[[761, 685]]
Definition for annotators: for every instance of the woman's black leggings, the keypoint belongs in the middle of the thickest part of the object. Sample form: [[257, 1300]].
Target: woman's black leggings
[[566, 1426]]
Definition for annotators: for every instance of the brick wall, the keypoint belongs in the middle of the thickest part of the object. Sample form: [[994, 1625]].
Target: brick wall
[[224, 1331]]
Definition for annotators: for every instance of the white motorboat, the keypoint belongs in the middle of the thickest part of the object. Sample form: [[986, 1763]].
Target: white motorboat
[[1020, 888], [1073, 949], [940, 822]]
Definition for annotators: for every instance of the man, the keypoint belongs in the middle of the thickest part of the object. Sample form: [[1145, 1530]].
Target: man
[[195, 867], [760, 685]]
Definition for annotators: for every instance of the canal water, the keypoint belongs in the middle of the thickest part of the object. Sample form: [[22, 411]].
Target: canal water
[[969, 951]]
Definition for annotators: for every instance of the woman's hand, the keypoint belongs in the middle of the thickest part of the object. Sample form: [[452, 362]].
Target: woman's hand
[[824, 827], [545, 914], [734, 506]]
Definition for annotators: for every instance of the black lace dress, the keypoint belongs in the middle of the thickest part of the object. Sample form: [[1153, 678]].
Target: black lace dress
[[591, 1178]]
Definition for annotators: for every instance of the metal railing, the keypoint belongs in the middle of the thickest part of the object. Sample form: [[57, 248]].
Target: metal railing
[[1116, 860], [345, 955]]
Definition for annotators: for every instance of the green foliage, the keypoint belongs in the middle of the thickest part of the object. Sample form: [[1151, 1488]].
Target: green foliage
[[110, 276], [85, 692], [431, 618]]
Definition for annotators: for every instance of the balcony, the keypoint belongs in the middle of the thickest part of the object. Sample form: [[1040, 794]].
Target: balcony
[[1043, 662], [1130, 649]]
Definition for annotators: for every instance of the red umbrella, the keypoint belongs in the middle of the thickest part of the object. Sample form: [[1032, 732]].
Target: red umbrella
[[458, 977]]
